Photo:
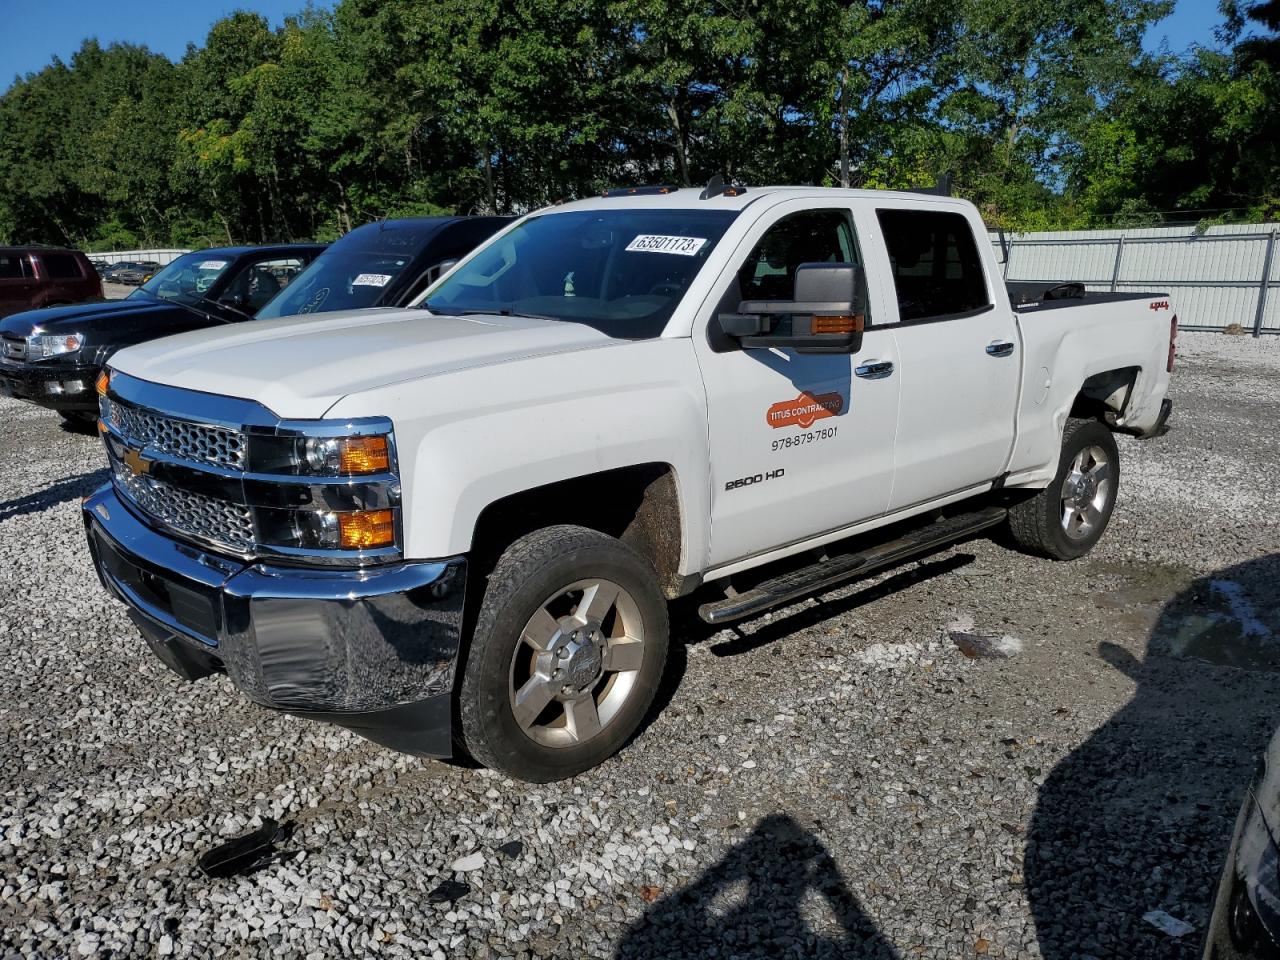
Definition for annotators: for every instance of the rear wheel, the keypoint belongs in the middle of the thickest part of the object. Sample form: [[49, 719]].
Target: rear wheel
[[1068, 517], [566, 655]]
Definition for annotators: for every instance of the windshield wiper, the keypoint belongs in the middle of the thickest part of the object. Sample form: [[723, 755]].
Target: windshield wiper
[[491, 312]]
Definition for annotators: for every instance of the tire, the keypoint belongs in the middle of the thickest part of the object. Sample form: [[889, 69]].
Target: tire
[[537, 655], [1042, 525]]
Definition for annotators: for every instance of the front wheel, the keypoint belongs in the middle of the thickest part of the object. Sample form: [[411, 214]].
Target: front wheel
[[566, 655], [1068, 517]]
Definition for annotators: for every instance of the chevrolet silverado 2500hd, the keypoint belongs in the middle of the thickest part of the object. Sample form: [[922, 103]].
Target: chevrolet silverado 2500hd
[[457, 527]]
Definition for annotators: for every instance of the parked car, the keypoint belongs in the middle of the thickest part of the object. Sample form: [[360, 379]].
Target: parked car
[[110, 271], [136, 273], [32, 277], [1245, 922], [51, 357], [462, 524], [383, 264]]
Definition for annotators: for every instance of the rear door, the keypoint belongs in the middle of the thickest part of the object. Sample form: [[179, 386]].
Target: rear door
[[958, 360], [17, 282], [63, 277]]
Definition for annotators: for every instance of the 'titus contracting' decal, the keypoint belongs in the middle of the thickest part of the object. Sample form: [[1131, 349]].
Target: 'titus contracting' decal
[[804, 410]]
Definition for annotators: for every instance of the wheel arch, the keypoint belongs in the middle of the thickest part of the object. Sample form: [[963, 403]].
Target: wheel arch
[[1105, 395], [638, 504]]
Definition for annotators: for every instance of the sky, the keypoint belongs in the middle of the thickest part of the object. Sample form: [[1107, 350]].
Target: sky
[[37, 30]]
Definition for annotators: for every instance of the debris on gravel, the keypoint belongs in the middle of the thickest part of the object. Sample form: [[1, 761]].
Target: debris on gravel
[[834, 779]]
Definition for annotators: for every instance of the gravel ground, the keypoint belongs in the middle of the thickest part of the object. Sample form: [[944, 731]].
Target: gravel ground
[[835, 779], [117, 291]]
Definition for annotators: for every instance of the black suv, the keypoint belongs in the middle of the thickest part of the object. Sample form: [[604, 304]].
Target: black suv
[[51, 357]]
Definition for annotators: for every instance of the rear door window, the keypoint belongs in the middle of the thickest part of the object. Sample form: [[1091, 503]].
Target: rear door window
[[12, 266], [936, 268], [61, 266]]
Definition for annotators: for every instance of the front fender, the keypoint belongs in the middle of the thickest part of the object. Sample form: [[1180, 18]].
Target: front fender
[[468, 438]]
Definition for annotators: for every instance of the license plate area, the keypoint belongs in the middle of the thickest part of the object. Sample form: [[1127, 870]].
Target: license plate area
[[192, 611]]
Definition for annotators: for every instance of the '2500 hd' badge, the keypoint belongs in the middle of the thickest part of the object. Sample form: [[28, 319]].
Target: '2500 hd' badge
[[804, 410]]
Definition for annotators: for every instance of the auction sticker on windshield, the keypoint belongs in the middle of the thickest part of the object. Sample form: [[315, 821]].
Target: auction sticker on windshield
[[654, 243], [212, 265], [371, 280]]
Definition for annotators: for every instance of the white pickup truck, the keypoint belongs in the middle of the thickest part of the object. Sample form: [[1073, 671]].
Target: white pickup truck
[[456, 528]]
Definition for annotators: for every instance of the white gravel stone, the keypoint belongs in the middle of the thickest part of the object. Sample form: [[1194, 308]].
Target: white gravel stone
[[905, 801]]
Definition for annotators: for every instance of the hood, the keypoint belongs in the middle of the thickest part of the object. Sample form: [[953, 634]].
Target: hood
[[301, 366], [77, 317]]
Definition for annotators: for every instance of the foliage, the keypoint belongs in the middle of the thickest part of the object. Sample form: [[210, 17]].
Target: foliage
[[1047, 112]]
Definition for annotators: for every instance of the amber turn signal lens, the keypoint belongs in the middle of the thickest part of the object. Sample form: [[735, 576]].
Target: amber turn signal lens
[[845, 324], [364, 455], [366, 530], [103, 381]]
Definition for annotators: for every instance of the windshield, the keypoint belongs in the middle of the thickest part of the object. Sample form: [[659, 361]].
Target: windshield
[[620, 271], [338, 279], [186, 280]]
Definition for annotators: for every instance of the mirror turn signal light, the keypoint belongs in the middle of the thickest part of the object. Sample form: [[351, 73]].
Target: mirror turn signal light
[[366, 530], [103, 381], [838, 324]]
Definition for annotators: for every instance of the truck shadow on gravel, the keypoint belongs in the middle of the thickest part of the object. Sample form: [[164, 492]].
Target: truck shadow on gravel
[[1138, 818], [60, 491], [776, 893]]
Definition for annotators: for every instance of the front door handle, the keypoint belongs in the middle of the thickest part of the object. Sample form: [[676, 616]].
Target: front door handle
[[1000, 349], [874, 369]]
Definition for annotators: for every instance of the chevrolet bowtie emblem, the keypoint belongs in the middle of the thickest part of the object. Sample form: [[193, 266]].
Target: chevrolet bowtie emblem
[[136, 462]]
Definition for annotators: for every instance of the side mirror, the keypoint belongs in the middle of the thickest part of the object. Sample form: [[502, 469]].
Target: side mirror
[[827, 313], [440, 269]]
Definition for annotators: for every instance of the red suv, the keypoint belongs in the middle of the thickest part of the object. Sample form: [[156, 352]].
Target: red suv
[[33, 277]]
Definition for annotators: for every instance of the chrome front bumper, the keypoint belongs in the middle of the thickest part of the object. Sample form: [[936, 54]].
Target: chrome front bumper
[[373, 649]]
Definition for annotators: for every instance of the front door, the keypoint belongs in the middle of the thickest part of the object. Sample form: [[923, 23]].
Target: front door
[[800, 444]]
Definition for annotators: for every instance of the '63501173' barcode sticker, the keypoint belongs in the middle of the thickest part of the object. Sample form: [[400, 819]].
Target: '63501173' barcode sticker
[[371, 280], [653, 243]]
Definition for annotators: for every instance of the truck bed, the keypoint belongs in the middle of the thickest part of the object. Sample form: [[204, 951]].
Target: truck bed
[[1029, 295]]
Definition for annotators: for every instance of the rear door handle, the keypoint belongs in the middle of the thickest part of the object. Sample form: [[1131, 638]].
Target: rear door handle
[[1000, 349], [874, 369]]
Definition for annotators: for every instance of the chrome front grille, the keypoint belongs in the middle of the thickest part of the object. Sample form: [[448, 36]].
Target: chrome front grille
[[15, 349], [201, 442], [194, 514]]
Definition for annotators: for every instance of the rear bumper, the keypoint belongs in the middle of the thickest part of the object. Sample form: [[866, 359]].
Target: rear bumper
[[374, 650], [53, 387]]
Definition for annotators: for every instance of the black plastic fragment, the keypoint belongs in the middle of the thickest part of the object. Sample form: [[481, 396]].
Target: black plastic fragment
[[511, 849], [245, 854], [448, 891]]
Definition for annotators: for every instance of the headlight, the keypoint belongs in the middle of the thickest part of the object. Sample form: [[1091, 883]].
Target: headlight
[[342, 495], [345, 456], [46, 345]]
